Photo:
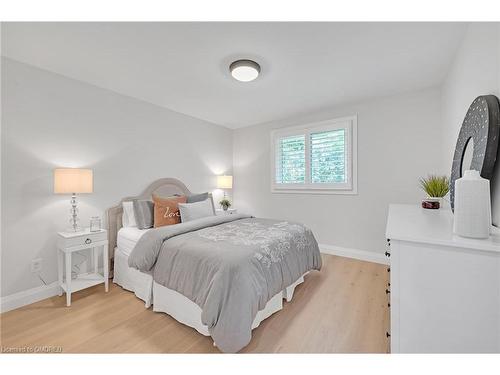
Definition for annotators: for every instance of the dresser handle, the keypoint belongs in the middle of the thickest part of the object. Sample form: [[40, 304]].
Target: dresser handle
[[387, 254], [388, 304], [387, 334], [387, 291], [88, 240], [388, 269]]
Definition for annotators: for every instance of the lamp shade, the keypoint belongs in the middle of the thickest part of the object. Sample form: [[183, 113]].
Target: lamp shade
[[224, 182], [73, 180]]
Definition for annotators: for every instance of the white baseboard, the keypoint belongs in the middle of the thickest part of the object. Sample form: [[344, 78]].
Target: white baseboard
[[29, 296], [32, 295], [368, 256]]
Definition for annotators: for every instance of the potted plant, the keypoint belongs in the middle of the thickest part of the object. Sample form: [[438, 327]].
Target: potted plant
[[436, 188], [225, 203]]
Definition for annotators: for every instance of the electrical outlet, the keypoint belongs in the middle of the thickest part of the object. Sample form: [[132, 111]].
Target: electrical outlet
[[36, 265]]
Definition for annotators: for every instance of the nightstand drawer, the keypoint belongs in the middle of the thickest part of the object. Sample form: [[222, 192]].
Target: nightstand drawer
[[85, 238], [229, 211]]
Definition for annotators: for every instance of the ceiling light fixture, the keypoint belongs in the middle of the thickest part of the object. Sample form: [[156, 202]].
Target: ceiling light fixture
[[244, 70]]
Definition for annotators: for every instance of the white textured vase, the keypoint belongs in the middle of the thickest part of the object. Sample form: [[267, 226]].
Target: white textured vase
[[472, 206]]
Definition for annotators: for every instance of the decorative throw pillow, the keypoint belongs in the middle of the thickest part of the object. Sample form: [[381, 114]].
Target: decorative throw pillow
[[144, 213], [128, 218], [201, 197], [166, 210], [197, 210]]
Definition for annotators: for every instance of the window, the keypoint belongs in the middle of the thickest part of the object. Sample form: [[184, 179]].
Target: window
[[317, 158]]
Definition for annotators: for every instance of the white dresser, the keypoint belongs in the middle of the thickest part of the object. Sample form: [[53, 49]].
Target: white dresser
[[444, 289]]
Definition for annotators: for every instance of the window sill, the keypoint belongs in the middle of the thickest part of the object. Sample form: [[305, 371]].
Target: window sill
[[314, 191]]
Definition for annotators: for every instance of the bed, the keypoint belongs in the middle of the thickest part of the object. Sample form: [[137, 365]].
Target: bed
[[221, 275]]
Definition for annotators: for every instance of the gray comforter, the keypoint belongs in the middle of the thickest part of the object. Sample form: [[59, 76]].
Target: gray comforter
[[230, 266]]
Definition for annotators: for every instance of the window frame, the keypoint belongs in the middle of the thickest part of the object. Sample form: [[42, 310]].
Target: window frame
[[350, 125]]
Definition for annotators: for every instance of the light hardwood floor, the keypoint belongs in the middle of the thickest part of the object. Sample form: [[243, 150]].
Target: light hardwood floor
[[342, 309]]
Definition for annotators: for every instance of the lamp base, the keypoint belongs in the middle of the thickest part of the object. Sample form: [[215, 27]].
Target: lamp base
[[74, 226]]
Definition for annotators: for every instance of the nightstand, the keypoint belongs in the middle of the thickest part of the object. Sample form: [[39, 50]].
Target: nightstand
[[70, 242], [229, 211]]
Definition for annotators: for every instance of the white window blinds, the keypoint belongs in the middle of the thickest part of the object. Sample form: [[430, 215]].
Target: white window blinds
[[290, 160], [328, 157]]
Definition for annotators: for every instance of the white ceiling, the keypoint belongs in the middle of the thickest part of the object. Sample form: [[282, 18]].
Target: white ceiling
[[184, 66]]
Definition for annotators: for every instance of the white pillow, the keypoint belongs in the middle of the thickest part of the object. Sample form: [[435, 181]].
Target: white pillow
[[128, 218], [197, 210]]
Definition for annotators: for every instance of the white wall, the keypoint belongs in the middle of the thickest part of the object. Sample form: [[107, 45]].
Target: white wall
[[399, 140], [51, 121], [474, 72]]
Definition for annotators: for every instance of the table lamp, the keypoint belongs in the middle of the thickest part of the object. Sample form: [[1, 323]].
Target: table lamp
[[224, 182], [73, 181]]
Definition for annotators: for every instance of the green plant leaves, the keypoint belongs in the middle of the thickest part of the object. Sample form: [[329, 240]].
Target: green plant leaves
[[435, 186]]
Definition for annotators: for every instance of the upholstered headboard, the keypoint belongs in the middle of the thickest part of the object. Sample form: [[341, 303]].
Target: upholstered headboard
[[163, 187]]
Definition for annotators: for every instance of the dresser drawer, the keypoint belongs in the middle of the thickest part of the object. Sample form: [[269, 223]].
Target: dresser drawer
[[86, 238]]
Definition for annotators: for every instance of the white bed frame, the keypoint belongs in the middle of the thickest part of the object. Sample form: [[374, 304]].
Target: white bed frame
[[164, 299]]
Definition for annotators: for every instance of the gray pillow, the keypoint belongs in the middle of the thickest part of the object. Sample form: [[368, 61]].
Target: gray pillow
[[201, 197], [196, 210], [144, 213]]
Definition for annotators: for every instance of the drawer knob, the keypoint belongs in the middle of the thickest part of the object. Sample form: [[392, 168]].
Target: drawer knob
[[387, 254], [388, 304], [387, 291], [388, 269], [387, 334], [88, 240]]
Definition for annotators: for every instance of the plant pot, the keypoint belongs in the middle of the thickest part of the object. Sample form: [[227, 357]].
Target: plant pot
[[225, 208], [431, 203]]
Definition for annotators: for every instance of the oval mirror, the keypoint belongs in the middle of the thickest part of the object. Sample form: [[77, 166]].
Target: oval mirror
[[467, 156]]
